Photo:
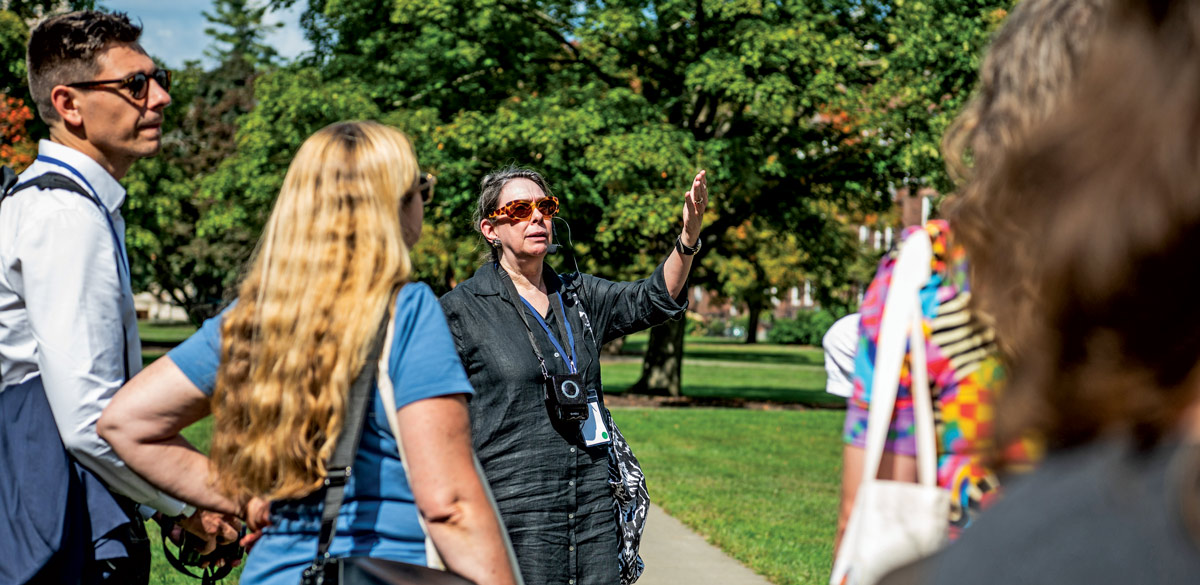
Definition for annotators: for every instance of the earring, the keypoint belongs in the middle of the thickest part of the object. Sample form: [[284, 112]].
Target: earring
[[495, 242]]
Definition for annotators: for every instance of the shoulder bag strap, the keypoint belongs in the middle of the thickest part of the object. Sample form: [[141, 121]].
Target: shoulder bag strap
[[901, 313], [8, 180], [387, 394], [55, 180], [342, 460]]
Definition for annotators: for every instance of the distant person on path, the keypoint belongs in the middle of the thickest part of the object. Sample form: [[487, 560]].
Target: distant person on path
[[840, 343], [275, 370], [1108, 371], [68, 331], [530, 339], [1024, 81]]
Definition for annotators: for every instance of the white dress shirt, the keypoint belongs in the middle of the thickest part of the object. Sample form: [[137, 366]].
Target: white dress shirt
[[66, 308]]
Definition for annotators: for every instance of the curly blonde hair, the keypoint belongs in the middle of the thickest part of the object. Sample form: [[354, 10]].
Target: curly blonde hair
[[328, 264]]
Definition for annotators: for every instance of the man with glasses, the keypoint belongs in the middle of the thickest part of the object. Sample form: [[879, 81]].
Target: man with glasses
[[72, 512]]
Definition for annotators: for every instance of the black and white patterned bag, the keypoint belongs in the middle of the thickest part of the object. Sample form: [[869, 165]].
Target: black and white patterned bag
[[631, 501]]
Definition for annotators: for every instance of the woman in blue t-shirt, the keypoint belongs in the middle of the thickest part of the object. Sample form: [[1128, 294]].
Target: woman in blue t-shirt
[[275, 369]]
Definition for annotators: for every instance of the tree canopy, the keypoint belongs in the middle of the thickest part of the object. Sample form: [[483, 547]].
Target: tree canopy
[[807, 114]]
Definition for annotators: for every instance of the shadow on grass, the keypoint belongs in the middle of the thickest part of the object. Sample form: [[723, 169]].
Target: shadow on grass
[[723, 396], [723, 353]]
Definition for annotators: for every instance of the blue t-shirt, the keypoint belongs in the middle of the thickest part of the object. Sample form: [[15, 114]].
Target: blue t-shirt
[[378, 517]]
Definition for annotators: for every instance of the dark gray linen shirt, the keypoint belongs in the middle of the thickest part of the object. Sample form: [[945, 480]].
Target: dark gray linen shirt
[[553, 492]]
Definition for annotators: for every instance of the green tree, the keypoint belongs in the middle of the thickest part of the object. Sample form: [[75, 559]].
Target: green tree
[[619, 103], [13, 35], [168, 204], [239, 34], [917, 76]]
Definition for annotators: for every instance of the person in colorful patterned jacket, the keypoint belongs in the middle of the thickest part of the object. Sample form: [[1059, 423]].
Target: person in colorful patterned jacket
[[1024, 79]]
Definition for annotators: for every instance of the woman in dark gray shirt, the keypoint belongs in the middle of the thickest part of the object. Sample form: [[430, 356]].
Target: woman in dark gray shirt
[[529, 340]]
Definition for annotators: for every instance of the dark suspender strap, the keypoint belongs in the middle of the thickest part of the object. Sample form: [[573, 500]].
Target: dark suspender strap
[[342, 460], [62, 182], [8, 180]]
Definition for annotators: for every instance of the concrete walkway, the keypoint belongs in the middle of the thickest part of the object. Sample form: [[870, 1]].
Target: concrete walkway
[[675, 555]]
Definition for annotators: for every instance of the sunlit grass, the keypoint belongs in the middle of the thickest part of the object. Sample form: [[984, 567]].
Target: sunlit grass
[[761, 485]]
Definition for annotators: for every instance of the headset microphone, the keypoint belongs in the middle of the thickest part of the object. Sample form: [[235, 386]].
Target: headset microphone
[[553, 248]]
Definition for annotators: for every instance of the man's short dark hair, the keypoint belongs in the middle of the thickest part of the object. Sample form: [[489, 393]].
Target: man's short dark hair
[[63, 49]]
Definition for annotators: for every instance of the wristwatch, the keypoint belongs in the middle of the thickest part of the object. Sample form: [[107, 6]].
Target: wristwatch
[[685, 250]]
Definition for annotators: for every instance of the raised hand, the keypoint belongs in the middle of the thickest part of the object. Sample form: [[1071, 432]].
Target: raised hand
[[695, 201]]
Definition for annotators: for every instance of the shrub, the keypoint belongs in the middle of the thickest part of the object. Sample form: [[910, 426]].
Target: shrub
[[806, 329]]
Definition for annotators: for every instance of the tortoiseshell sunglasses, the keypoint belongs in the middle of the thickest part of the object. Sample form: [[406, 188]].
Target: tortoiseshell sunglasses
[[522, 209]]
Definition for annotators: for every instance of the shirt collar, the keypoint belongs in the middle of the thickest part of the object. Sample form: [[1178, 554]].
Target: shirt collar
[[487, 280], [110, 192]]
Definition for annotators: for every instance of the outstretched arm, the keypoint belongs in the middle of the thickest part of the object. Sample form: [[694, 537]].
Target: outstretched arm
[[695, 201]]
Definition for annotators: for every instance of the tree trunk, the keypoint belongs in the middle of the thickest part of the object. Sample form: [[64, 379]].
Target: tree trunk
[[755, 307], [663, 363]]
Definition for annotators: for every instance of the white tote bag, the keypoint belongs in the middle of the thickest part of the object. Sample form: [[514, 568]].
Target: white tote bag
[[894, 522]]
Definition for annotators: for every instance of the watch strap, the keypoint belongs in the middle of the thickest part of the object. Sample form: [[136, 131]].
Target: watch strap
[[686, 250]]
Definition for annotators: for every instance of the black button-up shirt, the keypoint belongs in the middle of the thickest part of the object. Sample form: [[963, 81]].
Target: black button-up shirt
[[552, 490]]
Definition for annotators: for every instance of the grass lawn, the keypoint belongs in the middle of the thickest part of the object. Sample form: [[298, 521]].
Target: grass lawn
[[157, 337], [761, 485], [721, 368]]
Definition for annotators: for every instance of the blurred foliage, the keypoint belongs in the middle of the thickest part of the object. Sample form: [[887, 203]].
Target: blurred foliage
[[921, 69], [618, 104], [16, 18], [17, 150], [807, 328]]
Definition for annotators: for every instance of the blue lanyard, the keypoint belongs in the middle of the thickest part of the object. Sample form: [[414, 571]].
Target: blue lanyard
[[568, 358], [122, 260]]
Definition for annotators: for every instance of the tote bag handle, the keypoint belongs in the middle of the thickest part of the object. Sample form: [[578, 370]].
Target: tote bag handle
[[387, 394], [902, 312]]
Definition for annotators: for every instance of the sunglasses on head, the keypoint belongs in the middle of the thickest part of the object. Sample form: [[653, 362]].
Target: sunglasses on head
[[424, 187], [137, 84], [522, 209]]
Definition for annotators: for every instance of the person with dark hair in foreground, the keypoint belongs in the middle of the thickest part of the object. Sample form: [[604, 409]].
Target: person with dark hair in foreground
[[68, 331], [1108, 368]]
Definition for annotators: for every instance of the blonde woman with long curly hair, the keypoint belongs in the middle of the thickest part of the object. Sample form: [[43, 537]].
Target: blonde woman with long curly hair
[[275, 370]]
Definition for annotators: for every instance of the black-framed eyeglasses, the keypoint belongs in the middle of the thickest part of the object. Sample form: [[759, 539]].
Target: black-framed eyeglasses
[[137, 84], [424, 187]]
